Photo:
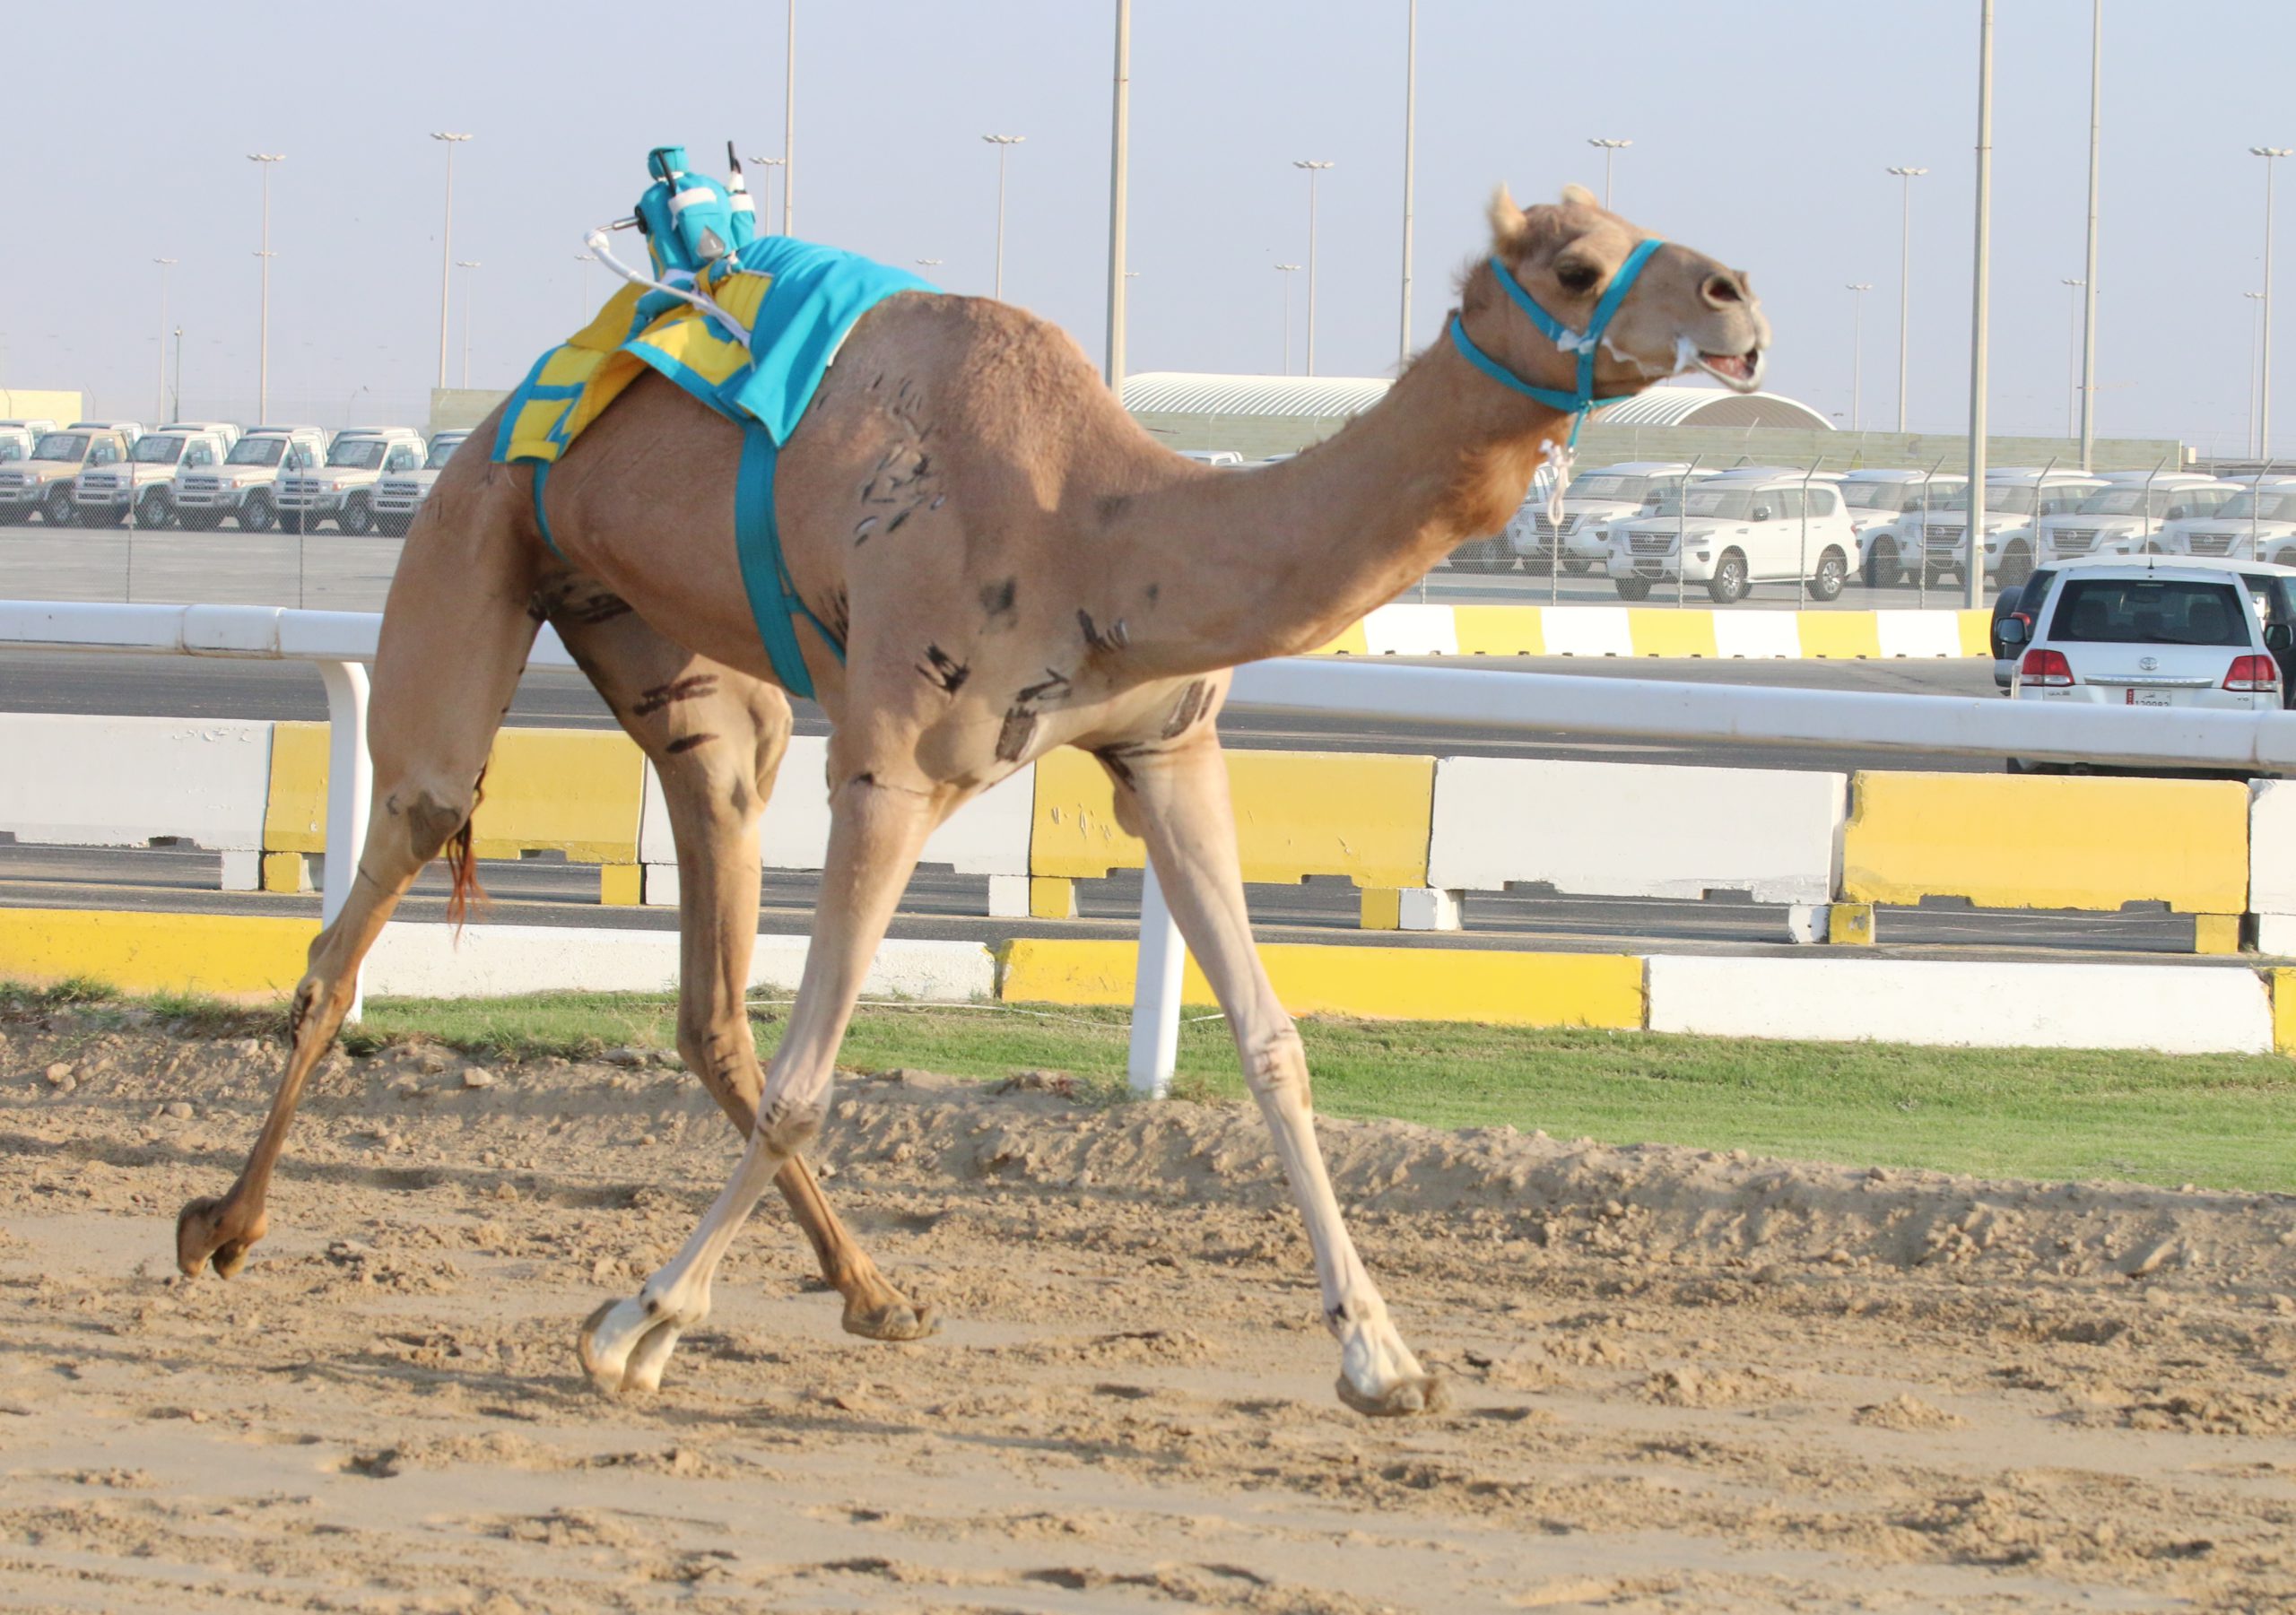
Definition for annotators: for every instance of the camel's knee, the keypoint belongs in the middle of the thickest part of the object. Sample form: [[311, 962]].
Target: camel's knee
[[788, 1127], [1275, 1068]]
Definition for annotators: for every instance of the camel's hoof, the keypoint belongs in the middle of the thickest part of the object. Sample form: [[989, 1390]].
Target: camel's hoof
[[1422, 1394], [199, 1240], [624, 1349], [893, 1320]]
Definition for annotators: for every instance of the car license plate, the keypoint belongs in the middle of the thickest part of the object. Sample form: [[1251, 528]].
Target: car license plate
[[2150, 697]]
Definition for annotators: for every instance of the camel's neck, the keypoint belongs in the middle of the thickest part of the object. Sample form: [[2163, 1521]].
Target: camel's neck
[[1278, 560]]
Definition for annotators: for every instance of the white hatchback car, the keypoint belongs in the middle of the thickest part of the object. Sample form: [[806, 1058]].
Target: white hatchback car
[[2130, 634]]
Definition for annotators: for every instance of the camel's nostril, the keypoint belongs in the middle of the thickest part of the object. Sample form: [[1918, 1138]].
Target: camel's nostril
[[1721, 289]]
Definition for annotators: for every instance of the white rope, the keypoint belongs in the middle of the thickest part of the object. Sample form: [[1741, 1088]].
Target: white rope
[[596, 242]]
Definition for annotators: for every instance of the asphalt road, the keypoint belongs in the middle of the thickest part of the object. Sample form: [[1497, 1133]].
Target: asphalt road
[[327, 570]]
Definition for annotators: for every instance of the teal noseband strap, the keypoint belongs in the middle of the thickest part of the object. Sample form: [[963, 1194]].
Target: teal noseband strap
[[1576, 404]]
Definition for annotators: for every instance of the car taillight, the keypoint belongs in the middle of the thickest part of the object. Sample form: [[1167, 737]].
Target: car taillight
[[2254, 674], [2046, 667]]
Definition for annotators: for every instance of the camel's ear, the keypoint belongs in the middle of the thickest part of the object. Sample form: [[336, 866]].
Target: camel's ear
[[1578, 195], [1507, 221]]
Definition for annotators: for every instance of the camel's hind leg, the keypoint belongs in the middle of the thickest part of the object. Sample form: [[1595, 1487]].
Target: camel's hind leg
[[717, 738], [456, 634]]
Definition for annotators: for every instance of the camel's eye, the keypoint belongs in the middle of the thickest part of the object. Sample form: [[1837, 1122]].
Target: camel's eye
[[1576, 278]]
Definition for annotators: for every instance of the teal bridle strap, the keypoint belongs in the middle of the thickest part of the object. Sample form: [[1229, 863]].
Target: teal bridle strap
[[1578, 404]]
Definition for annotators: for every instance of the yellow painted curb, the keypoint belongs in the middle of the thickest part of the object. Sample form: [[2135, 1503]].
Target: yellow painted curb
[[621, 885], [1351, 642], [2216, 934], [294, 814], [1658, 632], [2019, 841], [1298, 813], [2283, 984], [1498, 631], [233, 954], [1839, 634], [1399, 984], [1051, 900]]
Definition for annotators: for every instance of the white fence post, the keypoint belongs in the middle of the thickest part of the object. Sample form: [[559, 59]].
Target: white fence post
[[1156, 993], [350, 783]]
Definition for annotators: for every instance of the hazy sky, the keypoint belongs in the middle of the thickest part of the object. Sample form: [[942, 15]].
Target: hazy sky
[[1760, 131]]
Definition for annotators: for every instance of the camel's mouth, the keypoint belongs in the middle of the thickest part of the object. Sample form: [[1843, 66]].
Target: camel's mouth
[[1740, 372]]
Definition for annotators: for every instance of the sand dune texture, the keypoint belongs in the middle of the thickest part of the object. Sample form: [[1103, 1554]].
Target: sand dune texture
[[1681, 1380]]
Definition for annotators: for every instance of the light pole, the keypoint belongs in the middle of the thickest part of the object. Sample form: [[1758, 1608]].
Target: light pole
[[1858, 289], [583, 315], [2256, 298], [1314, 170], [1004, 144], [1905, 277], [790, 127], [765, 214], [177, 413], [2073, 387], [1410, 136], [1980, 298], [159, 403], [1119, 185], [1610, 149], [928, 263], [447, 245], [2089, 272], [466, 265], [2264, 362], [263, 328], [1288, 270]]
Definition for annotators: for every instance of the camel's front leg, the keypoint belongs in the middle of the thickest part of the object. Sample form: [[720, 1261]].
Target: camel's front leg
[[874, 836], [1177, 801]]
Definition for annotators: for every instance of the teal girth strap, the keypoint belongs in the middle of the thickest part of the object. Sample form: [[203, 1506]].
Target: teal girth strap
[[774, 599], [542, 470]]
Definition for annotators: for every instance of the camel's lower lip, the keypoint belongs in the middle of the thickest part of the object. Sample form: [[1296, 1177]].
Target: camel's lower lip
[[1739, 371]]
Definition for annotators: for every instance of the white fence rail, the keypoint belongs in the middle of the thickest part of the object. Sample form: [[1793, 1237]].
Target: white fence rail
[[341, 642]]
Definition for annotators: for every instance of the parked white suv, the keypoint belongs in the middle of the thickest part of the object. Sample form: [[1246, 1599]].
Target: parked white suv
[[2126, 515], [245, 485], [1879, 502], [42, 479], [1594, 499], [101, 495], [344, 487], [2157, 634], [2257, 524], [1732, 532], [2014, 498], [398, 496]]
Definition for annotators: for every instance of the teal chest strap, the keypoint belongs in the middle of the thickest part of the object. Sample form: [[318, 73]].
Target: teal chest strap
[[774, 599]]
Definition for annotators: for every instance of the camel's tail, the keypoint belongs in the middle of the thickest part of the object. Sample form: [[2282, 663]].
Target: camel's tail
[[462, 859]]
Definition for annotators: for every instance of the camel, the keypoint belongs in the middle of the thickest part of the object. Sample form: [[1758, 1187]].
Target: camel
[[1014, 565]]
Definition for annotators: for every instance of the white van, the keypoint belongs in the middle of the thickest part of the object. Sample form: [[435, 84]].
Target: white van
[[1879, 500], [2126, 515], [1594, 499], [1735, 531], [2014, 498]]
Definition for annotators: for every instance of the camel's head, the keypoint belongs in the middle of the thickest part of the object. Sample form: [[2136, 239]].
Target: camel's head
[[1683, 312]]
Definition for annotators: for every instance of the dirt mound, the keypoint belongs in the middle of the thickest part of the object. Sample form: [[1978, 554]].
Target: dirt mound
[[1680, 1378]]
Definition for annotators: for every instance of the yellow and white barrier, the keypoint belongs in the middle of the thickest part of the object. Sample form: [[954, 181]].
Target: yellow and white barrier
[[68, 780], [989, 835], [1410, 630], [1636, 830]]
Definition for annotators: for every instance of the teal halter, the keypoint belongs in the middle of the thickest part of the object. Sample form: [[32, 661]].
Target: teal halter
[[1579, 404]]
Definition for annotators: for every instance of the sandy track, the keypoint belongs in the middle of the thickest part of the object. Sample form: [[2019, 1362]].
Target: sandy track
[[1680, 1380]]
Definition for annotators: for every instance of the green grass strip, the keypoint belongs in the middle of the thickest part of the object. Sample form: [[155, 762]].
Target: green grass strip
[[2220, 1121]]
